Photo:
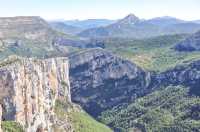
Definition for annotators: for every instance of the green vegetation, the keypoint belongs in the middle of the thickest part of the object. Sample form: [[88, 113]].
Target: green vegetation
[[9, 60], [154, 54], [36, 49], [170, 109], [81, 121], [62, 108], [11, 126]]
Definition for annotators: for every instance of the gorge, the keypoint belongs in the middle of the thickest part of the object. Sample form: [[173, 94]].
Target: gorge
[[51, 81]]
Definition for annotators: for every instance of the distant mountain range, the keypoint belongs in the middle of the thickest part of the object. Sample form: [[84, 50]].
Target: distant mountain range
[[196, 21], [131, 26], [164, 21], [127, 84], [68, 29], [33, 36], [134, 27], [90, 23], [27, 36], [76, 26]]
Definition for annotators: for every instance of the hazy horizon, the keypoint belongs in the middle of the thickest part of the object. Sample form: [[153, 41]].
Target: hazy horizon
[[62, 19], [101, 9]]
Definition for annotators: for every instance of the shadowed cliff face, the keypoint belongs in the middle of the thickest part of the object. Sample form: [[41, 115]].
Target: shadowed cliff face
[[29, 89], [192, 43], [188, 75], [100, 80]]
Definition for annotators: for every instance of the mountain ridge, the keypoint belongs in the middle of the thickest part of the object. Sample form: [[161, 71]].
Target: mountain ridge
[[130, 19], [132, 27], [98, 79], [89, 23], [191, 43]]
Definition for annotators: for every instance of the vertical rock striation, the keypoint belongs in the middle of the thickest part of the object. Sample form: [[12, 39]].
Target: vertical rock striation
[[29, 89], [99, 81]]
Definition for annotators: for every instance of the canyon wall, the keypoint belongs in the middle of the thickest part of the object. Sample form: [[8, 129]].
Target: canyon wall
[[100, 80], [29, 89]]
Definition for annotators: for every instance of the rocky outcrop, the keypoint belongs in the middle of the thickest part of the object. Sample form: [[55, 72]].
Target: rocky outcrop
[[192, 43], [188, 75], [29, 89], [131, 19], [100, 80]]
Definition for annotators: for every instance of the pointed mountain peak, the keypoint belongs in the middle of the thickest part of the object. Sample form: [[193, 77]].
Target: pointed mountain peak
[[131, 16], [130, 19]]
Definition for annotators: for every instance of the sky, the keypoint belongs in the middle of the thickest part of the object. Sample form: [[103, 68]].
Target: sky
[[94, 9]]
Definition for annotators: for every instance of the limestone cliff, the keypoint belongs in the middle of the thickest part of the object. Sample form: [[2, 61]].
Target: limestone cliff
[[29, 89], [99, 80], [187, 75]]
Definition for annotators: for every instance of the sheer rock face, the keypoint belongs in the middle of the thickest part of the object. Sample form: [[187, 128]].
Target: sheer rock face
[[29, 89], [100, 80], [188, 75]]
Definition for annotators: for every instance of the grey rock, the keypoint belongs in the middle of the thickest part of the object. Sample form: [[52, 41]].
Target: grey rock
[[131, 19], [29, 89], [100, 80], [192, 43], [188, 75]]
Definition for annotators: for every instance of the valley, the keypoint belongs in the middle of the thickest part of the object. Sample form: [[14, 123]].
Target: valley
[[99, 75]]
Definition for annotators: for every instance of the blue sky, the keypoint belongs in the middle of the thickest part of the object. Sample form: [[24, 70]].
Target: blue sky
[[111, 9]]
